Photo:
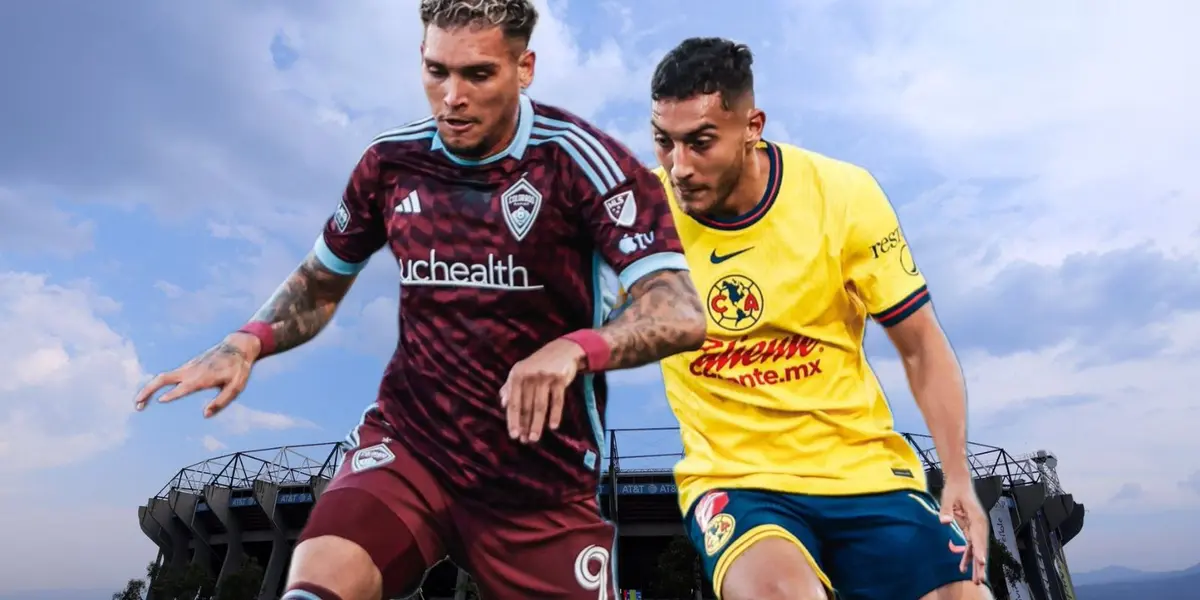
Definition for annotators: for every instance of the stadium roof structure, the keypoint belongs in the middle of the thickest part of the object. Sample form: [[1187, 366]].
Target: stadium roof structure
[[305, 465], [284, 466]]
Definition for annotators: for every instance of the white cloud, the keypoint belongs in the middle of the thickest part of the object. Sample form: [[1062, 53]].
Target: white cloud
[[40, 227], [1110, 423], [212, 444], [1073, 132], [238, 419], [1085, 110], [67, 379]]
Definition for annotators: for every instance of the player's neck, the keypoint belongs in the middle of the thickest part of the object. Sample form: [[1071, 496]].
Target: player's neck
[[506, 140], [751, 186]]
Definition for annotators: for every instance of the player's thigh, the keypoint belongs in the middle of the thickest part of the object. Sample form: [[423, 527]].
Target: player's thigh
[[890, 546], [754, 546], [772, 568], [960, 590], [382, 519], [565, 553]]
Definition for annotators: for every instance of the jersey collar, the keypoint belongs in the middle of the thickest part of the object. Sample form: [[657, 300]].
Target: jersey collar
[[515, 149]]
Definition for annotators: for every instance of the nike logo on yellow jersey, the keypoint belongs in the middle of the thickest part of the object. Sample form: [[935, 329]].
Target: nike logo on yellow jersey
[[718, 259]]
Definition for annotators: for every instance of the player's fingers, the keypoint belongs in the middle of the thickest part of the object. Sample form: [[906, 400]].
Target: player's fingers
[[157, 383], [224, 398], [557, 400], [180, 390], [535, 397], [187, 385], [971, 551], [513, 407], [980, 542], [507, 388], [537, 418]]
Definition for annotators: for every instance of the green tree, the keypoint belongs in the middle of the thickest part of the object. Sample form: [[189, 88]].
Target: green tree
[[1002, 567], [134, 590], [677, 574], [242, 584], [193, 582]]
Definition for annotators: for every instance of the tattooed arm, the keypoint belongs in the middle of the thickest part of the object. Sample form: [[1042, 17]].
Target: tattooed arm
[[303, 304], [663, 317], [296, 313]]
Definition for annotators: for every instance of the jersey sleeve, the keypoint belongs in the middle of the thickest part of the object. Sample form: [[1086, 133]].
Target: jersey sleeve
[[877, 261], [629, 218], [357, 229]]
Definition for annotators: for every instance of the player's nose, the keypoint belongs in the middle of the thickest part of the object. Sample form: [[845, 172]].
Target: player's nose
[[681, 169], [454, 92]]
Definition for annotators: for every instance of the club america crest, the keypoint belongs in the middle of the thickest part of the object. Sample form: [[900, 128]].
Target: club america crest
[[622, 209], [520, 205]]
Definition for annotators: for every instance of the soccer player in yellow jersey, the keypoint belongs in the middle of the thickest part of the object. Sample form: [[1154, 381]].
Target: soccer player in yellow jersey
[[794, 482]]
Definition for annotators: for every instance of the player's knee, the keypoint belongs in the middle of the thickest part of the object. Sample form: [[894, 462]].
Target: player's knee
[[961, 590], [332, 568], [355, 543], [780, 587], [772, 569]]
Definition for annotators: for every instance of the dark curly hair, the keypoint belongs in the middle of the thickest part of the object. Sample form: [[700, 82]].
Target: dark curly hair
[[704, 65], [516, 18]]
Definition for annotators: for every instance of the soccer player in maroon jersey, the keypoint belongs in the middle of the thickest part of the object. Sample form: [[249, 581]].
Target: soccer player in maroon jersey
[[513, 223]]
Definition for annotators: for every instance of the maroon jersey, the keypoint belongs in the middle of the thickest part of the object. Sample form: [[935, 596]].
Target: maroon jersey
[[498, 258]]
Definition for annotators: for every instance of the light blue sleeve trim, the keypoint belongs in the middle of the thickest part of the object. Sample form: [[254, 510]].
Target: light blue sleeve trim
[[644, 266], [330, 260]]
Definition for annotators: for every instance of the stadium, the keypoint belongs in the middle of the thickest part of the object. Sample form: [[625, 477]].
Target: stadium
[[214, 515]]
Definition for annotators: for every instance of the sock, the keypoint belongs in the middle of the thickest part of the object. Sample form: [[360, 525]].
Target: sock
[[308, 591]]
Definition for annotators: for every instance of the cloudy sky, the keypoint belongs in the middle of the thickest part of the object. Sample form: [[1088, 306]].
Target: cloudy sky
[[163, 165]]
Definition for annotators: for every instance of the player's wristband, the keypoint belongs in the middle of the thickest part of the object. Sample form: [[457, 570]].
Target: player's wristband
[[261, 330], [595, 348]]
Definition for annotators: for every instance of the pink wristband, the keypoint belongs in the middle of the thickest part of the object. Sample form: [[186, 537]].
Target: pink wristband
[[261, 330], [595, 348]]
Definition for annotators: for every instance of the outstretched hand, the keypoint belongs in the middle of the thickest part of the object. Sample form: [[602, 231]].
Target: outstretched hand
[[536, 387], [225, 367], [961, 509]]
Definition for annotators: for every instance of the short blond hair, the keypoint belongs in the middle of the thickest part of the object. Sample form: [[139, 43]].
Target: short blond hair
[[516, 18]]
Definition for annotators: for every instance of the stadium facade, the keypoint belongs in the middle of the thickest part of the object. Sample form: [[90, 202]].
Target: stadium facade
[[253, 504]]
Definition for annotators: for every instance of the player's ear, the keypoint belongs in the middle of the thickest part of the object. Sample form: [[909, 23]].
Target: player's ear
[[754, 126], [525, 66]]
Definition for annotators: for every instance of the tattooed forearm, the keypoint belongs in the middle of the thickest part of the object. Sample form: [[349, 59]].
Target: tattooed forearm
[[665, 318], [304, 304]]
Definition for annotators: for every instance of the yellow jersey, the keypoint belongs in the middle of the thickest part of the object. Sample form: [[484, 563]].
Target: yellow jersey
[[780, 396]]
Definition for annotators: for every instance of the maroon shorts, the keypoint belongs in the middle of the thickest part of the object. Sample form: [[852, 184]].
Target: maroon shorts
[[386, 501]]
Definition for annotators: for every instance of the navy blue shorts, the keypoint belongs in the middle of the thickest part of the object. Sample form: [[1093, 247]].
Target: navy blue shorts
[[889, 546]]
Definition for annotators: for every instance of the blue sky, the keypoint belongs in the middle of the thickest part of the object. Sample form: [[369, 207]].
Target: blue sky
[[164, 165]]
